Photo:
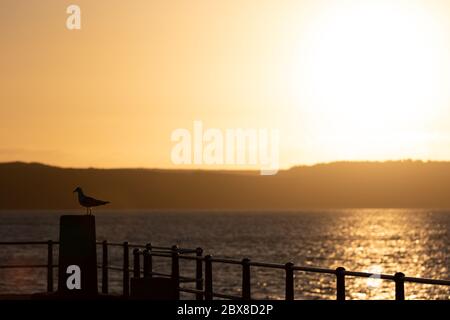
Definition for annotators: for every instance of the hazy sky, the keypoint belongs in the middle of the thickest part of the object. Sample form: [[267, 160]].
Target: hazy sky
[[347, 79]]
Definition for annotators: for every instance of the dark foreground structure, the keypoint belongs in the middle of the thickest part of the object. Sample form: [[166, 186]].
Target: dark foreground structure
[[77, 270]]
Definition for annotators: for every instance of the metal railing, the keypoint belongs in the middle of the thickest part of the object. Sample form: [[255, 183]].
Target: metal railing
[[49, 266], [203, 277], [204, 272]]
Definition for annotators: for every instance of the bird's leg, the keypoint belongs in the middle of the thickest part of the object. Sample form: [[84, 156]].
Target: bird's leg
[[87, 210]]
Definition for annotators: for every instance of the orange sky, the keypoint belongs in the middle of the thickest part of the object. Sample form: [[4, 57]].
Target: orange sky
[[341, 80]]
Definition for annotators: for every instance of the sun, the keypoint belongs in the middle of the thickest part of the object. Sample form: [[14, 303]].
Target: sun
[[369, 76]]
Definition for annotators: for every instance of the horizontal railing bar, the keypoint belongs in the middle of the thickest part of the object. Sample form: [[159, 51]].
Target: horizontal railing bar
[[115, 268], [428, 281], [202, 258], [224, 260], [160, 248], [187, 280], [391, 277], [134, 245], [215, 294], [191, 290], [187, 251], [192, 257], [183, 279], [160, 274], [169, 255], [314, 269], [226, 296], [166, 255], [158, 252], [368, 275], [142, 246], [267, 265], [120, 244]]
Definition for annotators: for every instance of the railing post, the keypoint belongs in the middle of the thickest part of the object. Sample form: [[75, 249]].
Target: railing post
[[289, 267], [199, 273], [136, 263], [175, 264], [246, 283], [208, 278], [105, 267], [126, 270], [340, 283], [399, 279], [148, 263], [50, 266]]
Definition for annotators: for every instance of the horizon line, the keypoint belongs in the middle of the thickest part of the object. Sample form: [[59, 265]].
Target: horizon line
[[223, 169]]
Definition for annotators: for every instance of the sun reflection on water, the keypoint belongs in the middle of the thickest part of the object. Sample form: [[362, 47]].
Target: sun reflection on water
[[388, 243], [374, 280]]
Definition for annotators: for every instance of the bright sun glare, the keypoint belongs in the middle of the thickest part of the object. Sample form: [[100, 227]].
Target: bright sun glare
[[371, 78]]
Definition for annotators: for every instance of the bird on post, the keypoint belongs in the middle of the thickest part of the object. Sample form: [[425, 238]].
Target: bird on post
[[88, 202]]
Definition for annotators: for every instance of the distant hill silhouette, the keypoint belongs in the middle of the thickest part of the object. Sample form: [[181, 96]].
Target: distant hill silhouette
[[335, 185]]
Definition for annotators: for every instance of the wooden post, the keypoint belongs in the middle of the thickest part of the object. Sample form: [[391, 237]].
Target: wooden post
[[77, 258], [208, 278], [126, 270], [399, 279], [105, 267], [340, 283], [246, 283], [199, 273], [136, 263], [175, 264], [289, 295], [50, 266], [148, 263]]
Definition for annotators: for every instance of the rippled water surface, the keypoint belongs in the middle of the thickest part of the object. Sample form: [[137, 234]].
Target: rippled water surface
[[414, 242]]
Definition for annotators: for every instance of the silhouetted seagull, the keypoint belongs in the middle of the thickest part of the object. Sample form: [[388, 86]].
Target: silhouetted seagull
[[88, 202]]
